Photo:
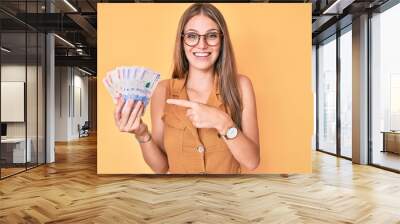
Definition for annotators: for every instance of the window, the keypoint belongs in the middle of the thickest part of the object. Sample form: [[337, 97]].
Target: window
[[327, 95], [385, 88], [346, 93]]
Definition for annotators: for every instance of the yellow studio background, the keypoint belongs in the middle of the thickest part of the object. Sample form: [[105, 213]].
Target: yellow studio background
[[272, 44]]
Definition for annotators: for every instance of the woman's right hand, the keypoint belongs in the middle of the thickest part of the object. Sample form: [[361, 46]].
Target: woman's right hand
[[128, 115]]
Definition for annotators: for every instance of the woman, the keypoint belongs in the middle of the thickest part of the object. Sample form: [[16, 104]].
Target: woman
[[204, 119]]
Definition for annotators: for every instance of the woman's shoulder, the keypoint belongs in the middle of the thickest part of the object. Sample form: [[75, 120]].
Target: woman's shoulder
[[161, 88], [166, 86], [163, 83], [244, 83], [246, 90]]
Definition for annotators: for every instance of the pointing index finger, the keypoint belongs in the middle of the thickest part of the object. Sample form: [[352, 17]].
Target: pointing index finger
[[182, 103]]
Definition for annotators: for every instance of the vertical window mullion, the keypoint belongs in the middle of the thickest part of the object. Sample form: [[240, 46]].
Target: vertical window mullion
[[316, 96], [26, 86], [338, 78], [37, 89], [369, 90]]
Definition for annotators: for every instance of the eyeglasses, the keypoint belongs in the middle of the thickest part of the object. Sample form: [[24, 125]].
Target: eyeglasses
[[192, 39]]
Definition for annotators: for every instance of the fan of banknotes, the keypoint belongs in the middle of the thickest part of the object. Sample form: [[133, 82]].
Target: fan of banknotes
[[131, 82]]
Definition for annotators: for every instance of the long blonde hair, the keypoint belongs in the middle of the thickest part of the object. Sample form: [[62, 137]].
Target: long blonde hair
[[225, 66]]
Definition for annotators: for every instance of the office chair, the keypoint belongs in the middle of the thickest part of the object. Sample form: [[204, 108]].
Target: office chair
[[84, 130]]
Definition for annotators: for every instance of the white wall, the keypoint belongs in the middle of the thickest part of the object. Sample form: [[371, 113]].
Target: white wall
[[81, 102], [12, 73], [71, 94], [62, 80]]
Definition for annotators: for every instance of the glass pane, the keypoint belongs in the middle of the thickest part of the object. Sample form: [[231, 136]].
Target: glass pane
[[13, 86], [327, 96], [395, 102], [31, 98], [22, 89], [346, 94], [386, 89], [41, 98]]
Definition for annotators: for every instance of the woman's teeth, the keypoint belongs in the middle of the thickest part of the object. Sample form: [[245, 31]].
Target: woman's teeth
[[201, 54]]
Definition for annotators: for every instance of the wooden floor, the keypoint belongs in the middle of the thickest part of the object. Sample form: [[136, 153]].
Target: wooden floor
[[5, 172], [69, 191], [9, 171]]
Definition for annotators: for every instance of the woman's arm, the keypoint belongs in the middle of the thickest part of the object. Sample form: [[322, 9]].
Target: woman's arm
[[245, 147], [128, 119]]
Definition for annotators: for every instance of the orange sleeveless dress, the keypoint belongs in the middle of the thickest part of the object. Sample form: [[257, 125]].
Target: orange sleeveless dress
[[193, 150]]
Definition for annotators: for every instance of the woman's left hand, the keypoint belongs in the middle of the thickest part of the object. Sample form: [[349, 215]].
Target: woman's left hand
[[204, 116]]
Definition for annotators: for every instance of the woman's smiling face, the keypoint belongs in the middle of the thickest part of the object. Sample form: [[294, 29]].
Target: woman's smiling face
[[202, 56]]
